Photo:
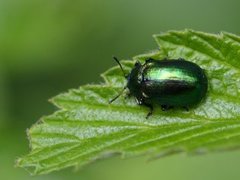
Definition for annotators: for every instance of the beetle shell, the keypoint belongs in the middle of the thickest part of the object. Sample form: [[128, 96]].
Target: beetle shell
[[168, 83]]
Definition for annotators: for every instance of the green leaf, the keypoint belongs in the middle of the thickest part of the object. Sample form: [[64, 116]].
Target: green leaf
[[87, 128]]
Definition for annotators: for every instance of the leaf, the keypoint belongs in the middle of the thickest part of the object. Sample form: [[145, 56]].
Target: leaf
[[87, 128]]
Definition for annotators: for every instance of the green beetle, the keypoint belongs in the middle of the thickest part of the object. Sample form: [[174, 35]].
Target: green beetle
[[168, 83]]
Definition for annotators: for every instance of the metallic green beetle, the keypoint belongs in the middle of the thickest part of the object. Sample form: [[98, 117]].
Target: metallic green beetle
[[168, 83]]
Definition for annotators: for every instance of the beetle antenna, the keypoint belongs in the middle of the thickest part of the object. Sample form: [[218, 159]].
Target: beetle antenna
[[118, 95], [116, 59]]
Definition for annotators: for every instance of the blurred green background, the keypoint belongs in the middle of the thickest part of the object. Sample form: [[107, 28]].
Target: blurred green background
[[49, 46]]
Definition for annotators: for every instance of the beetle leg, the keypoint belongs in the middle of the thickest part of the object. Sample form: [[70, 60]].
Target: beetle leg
[[166, 107], [163, 107], [186, 108], [151, 109], [139, 101]]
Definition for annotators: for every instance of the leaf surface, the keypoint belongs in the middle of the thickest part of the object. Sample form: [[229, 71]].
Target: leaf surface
[[86, 127]]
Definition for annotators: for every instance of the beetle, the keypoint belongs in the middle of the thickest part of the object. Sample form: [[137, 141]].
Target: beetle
[[168, 83]]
